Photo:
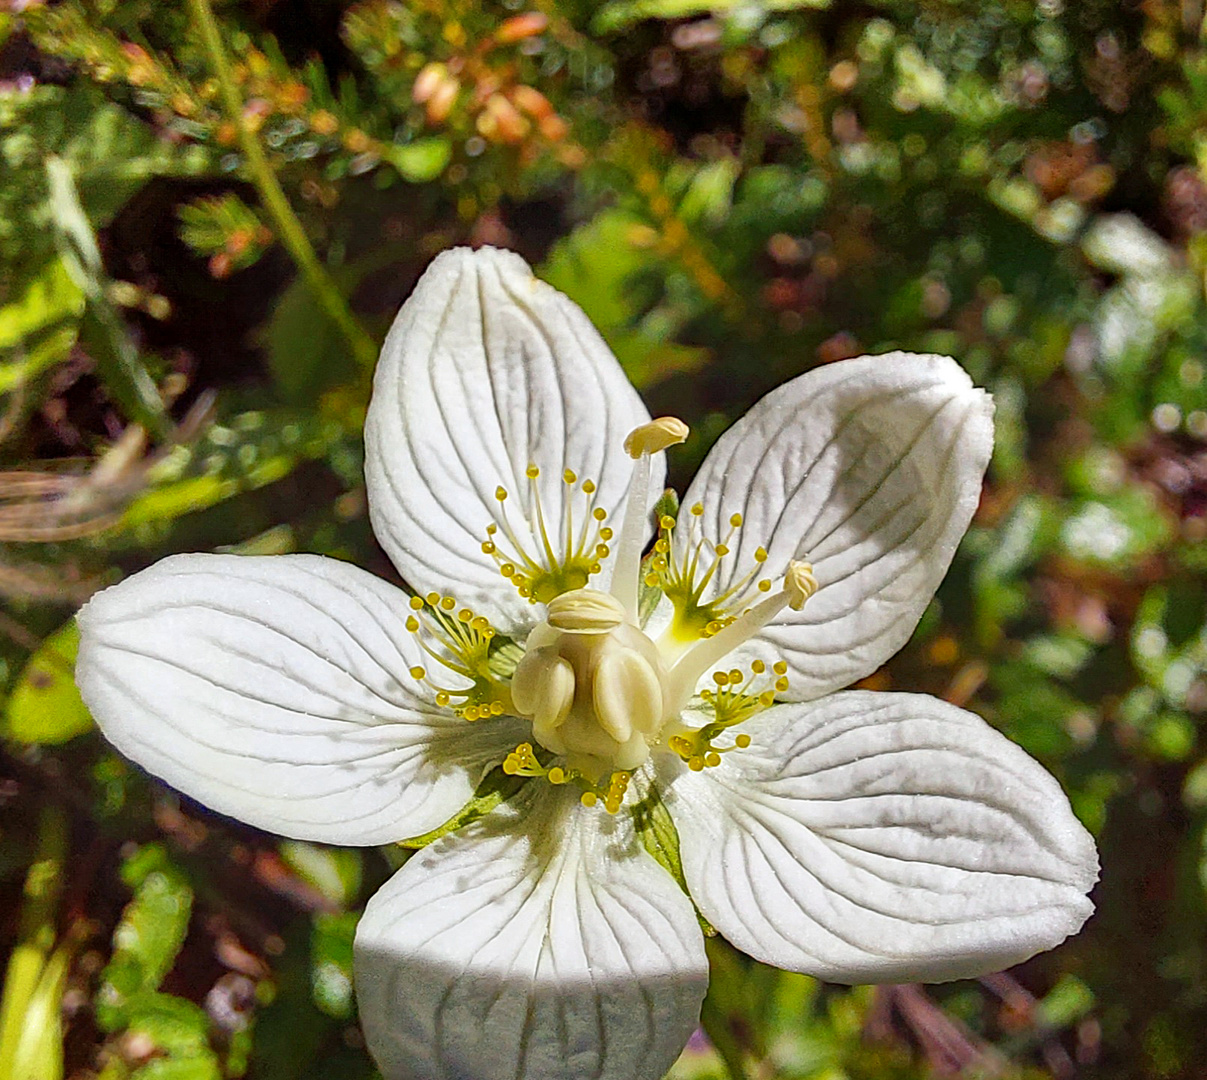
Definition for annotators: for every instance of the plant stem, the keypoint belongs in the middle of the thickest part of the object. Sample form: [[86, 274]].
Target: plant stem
[[288, 227], [35, 937]]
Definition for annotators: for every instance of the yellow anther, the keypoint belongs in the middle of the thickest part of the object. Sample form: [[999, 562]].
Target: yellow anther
[[418, 673], [736, 520], [655, 436], [799, 584], [522, 762], [532, 472]]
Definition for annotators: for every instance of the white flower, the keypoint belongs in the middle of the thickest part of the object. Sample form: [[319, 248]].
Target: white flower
[[511, 469]]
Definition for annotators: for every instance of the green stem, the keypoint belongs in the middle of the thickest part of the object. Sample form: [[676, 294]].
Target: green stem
[[35, 937], [289, 228]]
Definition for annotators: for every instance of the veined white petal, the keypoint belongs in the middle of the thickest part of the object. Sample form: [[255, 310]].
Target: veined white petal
[[540, 943], [883, 838], [869, 469], [486, 371], [277, 690]]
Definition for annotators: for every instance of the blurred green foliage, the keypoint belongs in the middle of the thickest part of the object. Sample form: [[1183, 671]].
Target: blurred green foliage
[[734, 192]]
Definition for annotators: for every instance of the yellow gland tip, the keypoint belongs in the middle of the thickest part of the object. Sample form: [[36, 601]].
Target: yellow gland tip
[[799, 584], [655, 436]]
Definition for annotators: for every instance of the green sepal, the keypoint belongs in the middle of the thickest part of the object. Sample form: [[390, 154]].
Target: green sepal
[[494, 790], [660, 838]]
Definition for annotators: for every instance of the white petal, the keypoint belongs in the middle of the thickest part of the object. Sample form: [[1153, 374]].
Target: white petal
[[486, 371], [538, 943], [883, 838], [277, 690], [870, 469]]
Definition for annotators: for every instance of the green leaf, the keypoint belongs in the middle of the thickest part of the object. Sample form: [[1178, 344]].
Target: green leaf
[[49, 349], [421, 160], [622, 13], [496, 789], [109, 343], [45, 707], [605, 289], [199, 1068], [49, 298], [335, 872], [39, 1051], [147, 939], [306, 350], [331, 966], [175, 1025], [658, 835]]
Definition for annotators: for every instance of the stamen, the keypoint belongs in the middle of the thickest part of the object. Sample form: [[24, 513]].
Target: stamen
[[641, 443], [735, 700], [522, 761], [612, 795], [676, 570], [799, 585], [547, 572], [657, 435], [459, 641]]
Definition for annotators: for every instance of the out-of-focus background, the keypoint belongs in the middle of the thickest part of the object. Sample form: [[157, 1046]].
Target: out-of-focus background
[[735, 192]]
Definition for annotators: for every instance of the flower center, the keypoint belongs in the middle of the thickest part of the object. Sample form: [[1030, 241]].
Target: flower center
[[593, 685], [600, 694]]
